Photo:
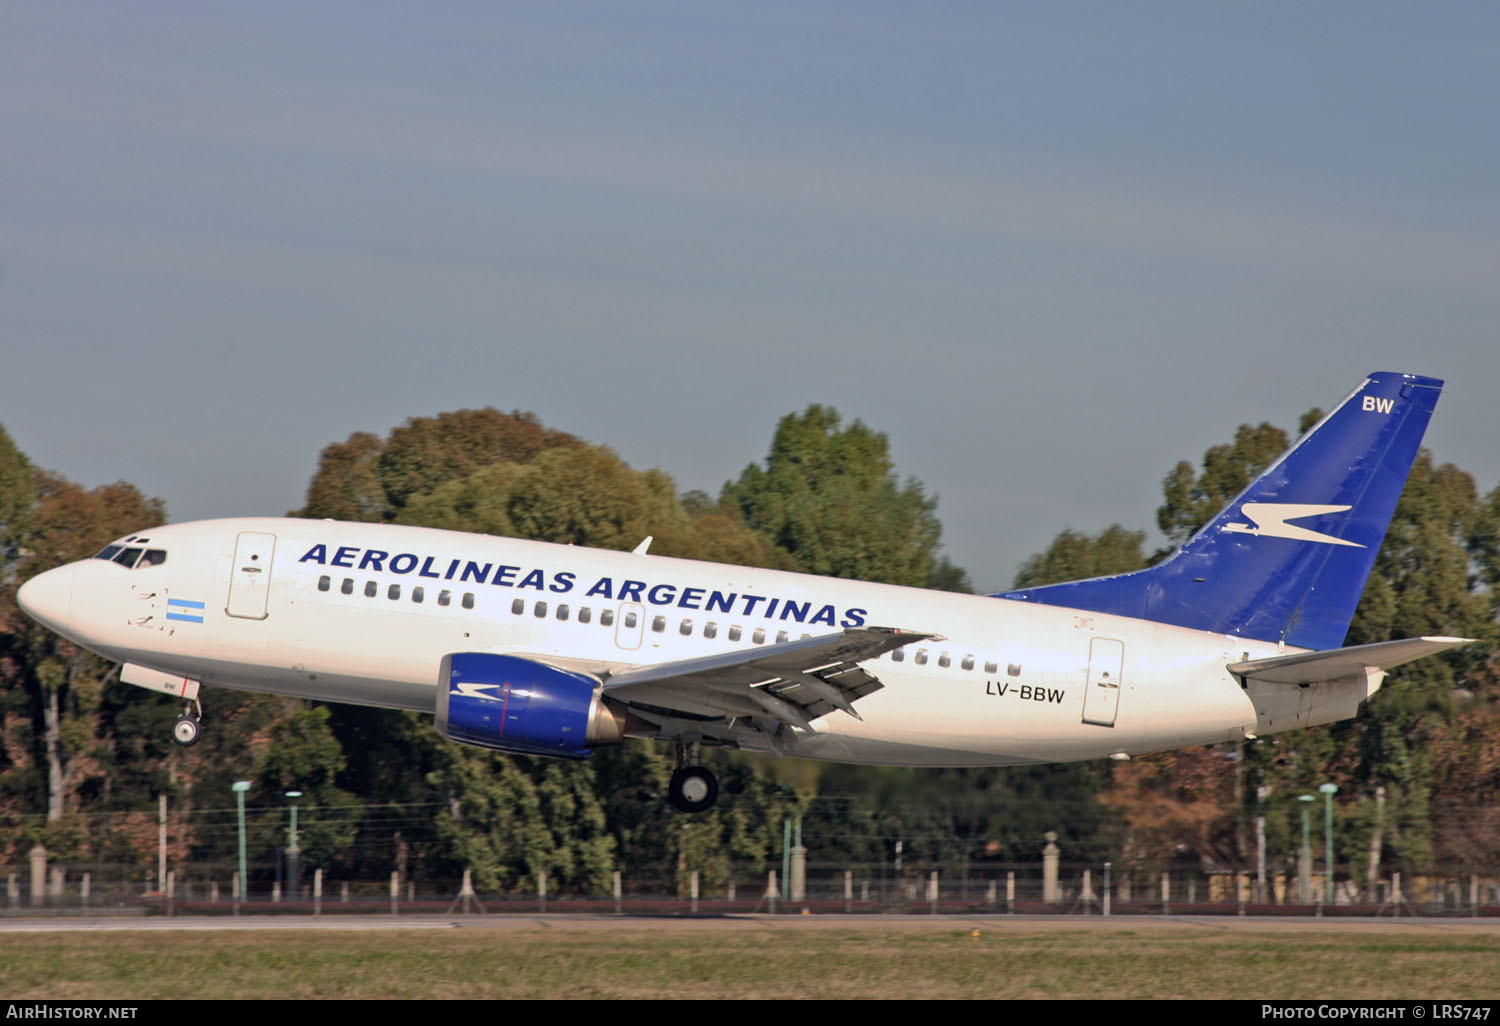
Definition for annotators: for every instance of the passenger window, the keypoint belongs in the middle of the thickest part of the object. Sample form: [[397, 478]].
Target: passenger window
[[658, 624], [899, 655], [347, 588], [607, 618], [371, 589], [781, 637], [630, 620], [685, 628], [944, 661], [444, 597], [393, 592], [468, 600], [990, 666], [325, 582], [734, 634], [968, 663], [710, 630], [541, 610], [417, 593], [1014, 669], [921, 659], [518, 606], [585, 614], [562, 610], [759, 637]]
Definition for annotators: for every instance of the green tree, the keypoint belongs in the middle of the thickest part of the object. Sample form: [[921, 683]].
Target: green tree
[[304, 755], [347, 485], [509, 819], [1192, 496], [364, 478], [828, 496], [1073, 557]]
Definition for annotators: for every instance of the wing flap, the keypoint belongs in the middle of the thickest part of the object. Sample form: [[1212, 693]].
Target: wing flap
[[793, 683]]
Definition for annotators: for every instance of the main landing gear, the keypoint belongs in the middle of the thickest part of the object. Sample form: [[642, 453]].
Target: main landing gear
[[693, 788], [185, 731]]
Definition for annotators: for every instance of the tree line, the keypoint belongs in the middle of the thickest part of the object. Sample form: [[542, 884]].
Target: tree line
[[83, 758]]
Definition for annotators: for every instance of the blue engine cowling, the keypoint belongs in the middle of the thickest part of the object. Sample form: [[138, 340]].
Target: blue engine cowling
[[511, 704]]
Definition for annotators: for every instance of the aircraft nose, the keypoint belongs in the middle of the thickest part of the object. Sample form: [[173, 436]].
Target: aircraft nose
[[48, 597]]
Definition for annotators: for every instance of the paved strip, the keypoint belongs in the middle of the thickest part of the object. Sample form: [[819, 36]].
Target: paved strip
[[606, 923]]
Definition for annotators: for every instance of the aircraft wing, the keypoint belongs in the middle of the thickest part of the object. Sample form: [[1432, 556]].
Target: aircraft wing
[[1338, 663], [793, 682]]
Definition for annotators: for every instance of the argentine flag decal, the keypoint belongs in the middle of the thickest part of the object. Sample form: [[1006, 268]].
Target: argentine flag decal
[[184, 609]]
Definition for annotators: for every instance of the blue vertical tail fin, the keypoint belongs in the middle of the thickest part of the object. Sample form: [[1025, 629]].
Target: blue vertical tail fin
[[1287, 560]]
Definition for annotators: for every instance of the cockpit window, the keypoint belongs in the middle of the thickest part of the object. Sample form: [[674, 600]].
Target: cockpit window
[[127, 557], [132, 558]]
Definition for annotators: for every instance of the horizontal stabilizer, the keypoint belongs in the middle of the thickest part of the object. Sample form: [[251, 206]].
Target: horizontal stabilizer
[[1339, 663]]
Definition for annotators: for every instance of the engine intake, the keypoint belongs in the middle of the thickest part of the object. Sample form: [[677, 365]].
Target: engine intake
[[510, 704]]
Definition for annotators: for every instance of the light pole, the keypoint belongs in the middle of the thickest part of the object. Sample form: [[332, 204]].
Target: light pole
[[1328, 792], [291, 851], [1306, 867], [239, 787]]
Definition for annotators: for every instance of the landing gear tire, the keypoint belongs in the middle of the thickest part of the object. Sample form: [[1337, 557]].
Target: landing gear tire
[[185, 731], [693, 789]]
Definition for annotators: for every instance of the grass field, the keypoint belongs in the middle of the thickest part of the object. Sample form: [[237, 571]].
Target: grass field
[[756, 961]]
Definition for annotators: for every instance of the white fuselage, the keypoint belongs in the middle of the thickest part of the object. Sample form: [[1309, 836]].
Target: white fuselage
[[332, 611]]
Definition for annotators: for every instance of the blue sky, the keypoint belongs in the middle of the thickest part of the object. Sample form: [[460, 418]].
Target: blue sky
[[1049, 249]]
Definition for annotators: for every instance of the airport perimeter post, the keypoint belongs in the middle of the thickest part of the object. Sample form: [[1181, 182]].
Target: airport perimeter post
[[798, 880], [292, 867], [1328, 792], [161, 841], [1261, 794], [239, 787], [786, 858]]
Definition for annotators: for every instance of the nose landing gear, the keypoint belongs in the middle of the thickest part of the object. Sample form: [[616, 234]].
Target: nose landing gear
[[185, 731]]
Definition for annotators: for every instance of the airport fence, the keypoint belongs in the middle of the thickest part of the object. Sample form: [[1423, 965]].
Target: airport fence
[[381, 868], [814, 888]]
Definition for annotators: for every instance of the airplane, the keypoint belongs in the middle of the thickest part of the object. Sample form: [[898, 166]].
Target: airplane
[[542, 649]]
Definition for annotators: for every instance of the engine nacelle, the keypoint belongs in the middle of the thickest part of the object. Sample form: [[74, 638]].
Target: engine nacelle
[[511, 704]]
